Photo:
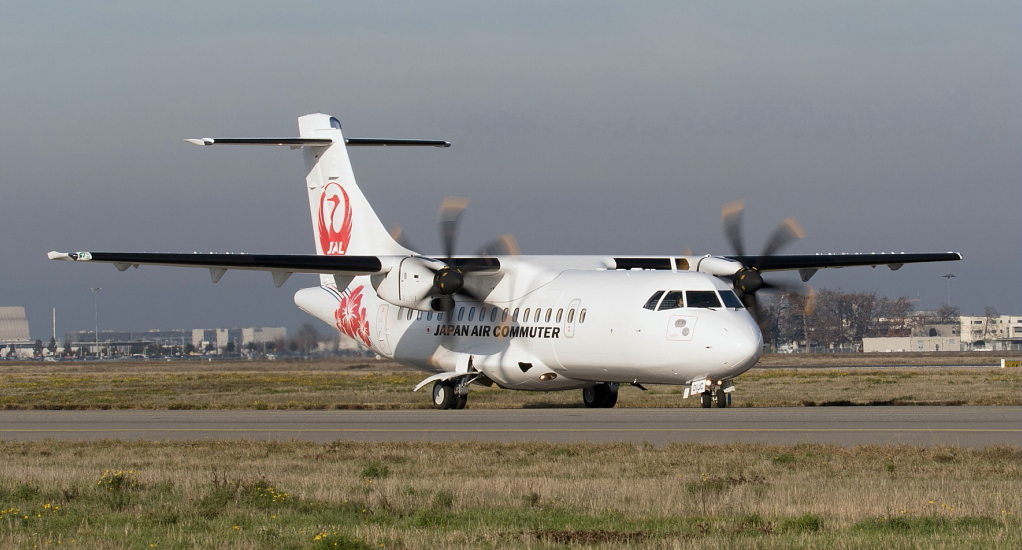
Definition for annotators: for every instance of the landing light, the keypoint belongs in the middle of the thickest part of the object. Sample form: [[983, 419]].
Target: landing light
[[547, 376]]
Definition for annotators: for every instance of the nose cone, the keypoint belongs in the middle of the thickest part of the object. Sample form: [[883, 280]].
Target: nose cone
[[742, 346]]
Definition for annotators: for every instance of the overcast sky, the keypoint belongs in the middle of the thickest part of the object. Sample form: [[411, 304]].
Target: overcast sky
[[580, 127]]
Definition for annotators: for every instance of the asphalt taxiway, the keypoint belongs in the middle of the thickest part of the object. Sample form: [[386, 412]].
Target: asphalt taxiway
[[963, 426]]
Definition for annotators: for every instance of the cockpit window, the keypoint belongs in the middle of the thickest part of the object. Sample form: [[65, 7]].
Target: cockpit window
[[653, 300], [730, 299], [673, 300], [702, 298]]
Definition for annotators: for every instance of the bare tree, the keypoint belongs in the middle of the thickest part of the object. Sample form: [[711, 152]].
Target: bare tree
[[948, 315], [832, 317], [308, 336]]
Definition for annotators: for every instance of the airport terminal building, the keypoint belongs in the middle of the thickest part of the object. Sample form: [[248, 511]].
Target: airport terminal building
[[216, 340]]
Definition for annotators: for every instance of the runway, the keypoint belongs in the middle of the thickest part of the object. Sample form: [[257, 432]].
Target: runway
[[963, 426]]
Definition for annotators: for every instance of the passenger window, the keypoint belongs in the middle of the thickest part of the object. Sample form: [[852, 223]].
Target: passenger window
[[731, 300], [408, 316], [673, 300], [514, 316], [702, 298], [560, 312], [461, 313], [440, 316], [471, 313], [429, 316], [549, 313], [582, 316], [571, 315], [525, 318], [482, 314], [493, 315], [653, 300], [538, 311], [503, 316], [418, 316]]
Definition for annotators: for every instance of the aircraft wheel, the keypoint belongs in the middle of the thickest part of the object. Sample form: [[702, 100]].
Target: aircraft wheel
[[459, 401], [610, 399], [443, 394], [705, 400], [721, 398], [600, 396]]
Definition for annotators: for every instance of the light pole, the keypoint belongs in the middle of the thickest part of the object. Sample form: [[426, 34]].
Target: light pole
[[95, 299], [949, 276]]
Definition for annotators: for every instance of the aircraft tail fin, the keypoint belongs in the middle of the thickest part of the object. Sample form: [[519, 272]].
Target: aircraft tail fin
[[343, 221]]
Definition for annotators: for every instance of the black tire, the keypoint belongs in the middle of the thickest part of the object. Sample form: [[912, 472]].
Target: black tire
[[443, 394], [706, 400], [610, 398], [721, 398], [600, 396], [460, 401]]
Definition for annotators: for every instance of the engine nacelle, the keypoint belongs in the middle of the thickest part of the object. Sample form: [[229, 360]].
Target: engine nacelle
[[409, 284], [720, 267]]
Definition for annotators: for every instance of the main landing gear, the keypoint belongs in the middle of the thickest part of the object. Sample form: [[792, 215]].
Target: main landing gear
[[450, 394], [600, 396]]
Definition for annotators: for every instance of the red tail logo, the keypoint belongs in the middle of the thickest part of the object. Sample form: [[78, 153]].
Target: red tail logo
[[334, 226]]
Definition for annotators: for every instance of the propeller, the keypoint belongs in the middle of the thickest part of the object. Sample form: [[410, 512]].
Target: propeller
[[748, 280], [450, 279]]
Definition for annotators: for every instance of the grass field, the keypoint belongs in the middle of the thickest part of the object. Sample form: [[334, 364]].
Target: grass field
[[291, 495], [781, 380], [357, 495]]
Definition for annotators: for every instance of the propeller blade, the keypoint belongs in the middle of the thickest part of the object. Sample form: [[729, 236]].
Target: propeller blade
[[789, 230], [810, 303], [752, 304], [398, 235], [450, 214], [731, 215], [504, 245], [784, 287]]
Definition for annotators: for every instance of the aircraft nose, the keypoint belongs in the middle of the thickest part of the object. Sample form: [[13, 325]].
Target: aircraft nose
[[744, 345]]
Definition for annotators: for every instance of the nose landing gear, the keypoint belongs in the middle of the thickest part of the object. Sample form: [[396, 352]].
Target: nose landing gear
[[711, 393]]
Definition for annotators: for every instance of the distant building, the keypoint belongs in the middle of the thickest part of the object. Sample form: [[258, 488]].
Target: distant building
[[13, 325], [135, 342], [240, 336], [1001, 332], [974, 332], [911, 343]]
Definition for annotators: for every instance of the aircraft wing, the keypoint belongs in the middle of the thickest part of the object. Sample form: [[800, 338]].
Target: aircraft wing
[[808, 264], [280, 265]]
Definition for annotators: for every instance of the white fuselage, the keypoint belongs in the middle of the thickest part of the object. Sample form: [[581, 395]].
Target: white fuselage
[[555, 329]]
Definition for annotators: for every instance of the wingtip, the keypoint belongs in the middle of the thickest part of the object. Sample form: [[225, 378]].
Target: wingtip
[[201, 141]]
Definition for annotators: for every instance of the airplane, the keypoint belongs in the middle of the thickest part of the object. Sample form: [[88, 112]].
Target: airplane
[[503, 319]]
